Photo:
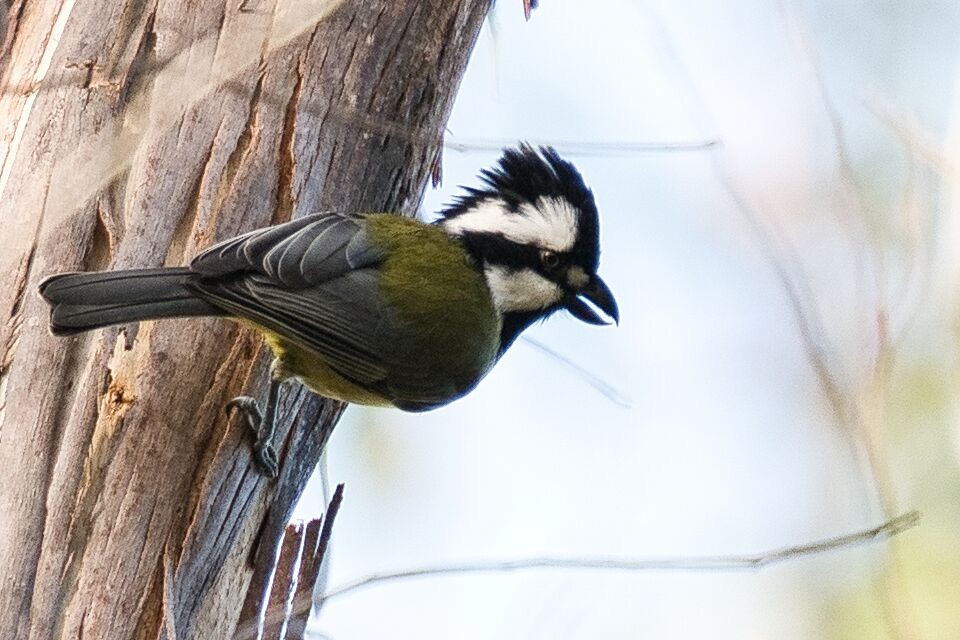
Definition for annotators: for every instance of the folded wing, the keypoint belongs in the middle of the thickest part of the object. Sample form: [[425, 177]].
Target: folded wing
[[312, 280]]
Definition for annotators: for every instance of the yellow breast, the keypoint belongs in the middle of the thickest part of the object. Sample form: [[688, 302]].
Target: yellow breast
[[313, 372]]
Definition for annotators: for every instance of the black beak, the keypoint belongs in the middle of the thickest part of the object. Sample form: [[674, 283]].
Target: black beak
[[598, 294]]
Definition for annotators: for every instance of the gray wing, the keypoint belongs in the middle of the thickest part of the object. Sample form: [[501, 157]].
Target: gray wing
[[312, 280], [303, 252]]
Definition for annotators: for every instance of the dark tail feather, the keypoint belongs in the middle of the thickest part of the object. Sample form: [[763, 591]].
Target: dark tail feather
[[84, 301]]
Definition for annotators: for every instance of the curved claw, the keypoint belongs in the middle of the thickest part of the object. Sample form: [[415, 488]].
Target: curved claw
[[266, 458], [264, 455]]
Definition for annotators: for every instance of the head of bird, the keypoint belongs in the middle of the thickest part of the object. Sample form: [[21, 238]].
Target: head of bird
[[533, 229]]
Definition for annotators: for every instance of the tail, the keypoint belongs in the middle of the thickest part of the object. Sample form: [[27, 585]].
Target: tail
[[84, 301]]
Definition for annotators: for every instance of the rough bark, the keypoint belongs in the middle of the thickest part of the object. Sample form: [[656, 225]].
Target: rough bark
[[135, 133]]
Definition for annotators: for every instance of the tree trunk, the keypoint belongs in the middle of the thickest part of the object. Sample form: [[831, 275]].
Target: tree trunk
[[136, 133]]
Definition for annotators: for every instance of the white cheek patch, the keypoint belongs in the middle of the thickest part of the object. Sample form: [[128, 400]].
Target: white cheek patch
[[550, 223], [520, 290]]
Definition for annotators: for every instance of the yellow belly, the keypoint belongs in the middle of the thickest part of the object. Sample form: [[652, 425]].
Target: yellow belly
[[309, 369]]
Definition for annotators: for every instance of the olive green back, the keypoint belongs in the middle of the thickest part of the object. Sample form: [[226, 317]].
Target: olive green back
[[440, 299]]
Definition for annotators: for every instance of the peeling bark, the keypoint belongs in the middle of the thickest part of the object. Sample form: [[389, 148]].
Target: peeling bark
[[136, 133]]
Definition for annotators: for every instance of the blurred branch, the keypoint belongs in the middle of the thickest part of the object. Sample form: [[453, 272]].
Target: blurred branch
[[855, 233], [871, 396], [919, 141], [776, 247], [582, 148], [920, 148], [108, 153], [859, 403], [607, 390], [761, 560]]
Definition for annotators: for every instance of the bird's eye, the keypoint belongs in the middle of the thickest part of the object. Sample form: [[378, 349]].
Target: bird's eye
[[549, 259]]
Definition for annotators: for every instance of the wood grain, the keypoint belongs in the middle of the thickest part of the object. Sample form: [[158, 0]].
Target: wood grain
[[135, 133]]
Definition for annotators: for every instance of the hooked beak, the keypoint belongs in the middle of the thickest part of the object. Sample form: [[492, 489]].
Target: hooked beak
[[598, 294]]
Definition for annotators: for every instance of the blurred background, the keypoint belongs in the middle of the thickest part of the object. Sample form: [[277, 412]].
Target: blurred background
[[786, 365]]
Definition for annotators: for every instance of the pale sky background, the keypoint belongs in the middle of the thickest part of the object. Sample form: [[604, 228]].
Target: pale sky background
[[728, 445]]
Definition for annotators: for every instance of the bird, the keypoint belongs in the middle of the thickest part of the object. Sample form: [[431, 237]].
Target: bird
[[376, 308]]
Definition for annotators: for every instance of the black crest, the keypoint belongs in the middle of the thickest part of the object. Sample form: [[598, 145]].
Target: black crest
[[525, 175]]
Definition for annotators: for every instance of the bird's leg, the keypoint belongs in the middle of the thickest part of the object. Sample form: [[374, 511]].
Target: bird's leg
[[263, 425], [263, 449]]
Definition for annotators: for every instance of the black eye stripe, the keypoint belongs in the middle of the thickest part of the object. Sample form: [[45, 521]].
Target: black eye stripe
[[525, 175], [494, 248]]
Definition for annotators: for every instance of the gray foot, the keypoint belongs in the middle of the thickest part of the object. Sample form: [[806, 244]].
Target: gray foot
[[264, 454]]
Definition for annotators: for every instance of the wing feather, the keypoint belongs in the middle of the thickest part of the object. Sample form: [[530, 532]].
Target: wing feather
[[312, 280], [321, 319], [299, 253]]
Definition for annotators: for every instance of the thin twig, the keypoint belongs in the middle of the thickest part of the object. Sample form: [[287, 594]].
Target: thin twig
[[854, 228], [885, 531], [919, 147], [776, 248], [582, 147], [872, 401], [606, 389]]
